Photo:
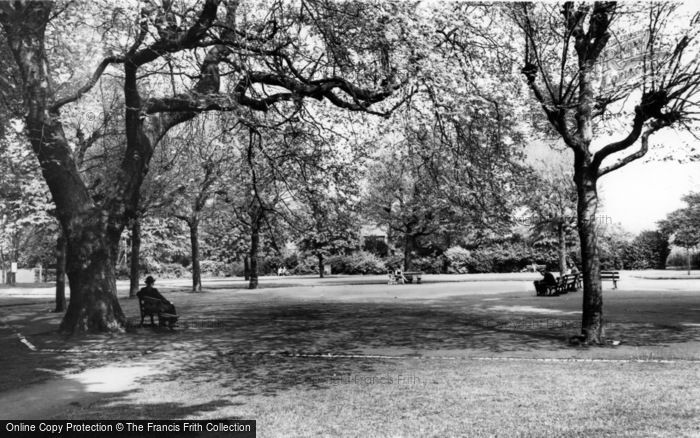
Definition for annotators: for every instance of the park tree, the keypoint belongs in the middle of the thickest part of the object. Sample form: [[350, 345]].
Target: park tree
[[452, 163], [683, 225], [652, 249], [162, 187], [255, 194], [205, 157], [446, 175], [588, 63], [551, 202], [215, 56], [326, 216]]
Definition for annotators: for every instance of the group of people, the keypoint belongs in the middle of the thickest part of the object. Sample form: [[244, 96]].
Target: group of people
[[397, 277], [548, 278]]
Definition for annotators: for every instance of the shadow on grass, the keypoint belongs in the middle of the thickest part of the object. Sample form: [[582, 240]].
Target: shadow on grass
[[246, 346]]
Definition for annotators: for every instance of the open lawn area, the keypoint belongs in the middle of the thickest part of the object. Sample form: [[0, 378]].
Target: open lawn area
[[471, 355]]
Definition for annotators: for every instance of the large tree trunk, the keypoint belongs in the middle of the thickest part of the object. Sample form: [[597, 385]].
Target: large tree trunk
[[90, 265], [592, 327], [254, 243], [90, 247], [320, 265], [562, 248], [61, 249], [135, 255], [196, 272]]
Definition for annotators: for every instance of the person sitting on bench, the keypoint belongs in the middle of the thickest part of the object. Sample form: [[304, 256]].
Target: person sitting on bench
[[548, 280], [164, 306]]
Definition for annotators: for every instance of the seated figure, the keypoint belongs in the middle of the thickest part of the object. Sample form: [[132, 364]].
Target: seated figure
[[547, 280], [164, 306]]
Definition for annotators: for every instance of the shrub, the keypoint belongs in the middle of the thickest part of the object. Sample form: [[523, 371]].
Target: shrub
[[307, 265], [481, 261], [121, 271], [429, 265], [366, 263], [458, 260], [393, 262], [358, 263], [237, 269], [171, 270], [215, 268]]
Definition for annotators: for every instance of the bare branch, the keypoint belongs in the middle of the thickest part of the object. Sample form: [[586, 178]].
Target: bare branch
[[655, 126]]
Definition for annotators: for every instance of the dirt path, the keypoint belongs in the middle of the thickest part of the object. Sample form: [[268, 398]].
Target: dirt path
[[44, 400]]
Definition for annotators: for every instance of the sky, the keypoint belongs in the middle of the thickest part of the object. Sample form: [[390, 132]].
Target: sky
[[638, 195], [641, 193]]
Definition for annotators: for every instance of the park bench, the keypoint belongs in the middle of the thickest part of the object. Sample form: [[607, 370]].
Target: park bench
[[547, 289], [564, 284], [150, 307], [569, 283], [614, 276], [409, 276]]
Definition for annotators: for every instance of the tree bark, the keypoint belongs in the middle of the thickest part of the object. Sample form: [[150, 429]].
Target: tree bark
[[91, 256], [135, 255], [196, 272], [562, 247], [592, 324], [254, 243], [61, 249], [320, 265]]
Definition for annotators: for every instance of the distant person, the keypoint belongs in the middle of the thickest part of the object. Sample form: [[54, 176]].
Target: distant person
[[398, 274], [164, 305]]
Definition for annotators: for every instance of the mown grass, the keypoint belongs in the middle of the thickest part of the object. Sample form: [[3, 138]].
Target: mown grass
[[469, 365]]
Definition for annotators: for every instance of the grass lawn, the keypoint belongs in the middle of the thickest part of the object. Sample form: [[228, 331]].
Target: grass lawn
[[333, 358]]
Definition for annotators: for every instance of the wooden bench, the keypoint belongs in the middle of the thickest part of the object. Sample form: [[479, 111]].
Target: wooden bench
[[569, 283], [150, 307], [564, 284], [409, 276], [546, 290], [614, 276]]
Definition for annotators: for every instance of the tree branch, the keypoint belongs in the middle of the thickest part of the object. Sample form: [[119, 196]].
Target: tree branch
[[88, 86], [655, 126]]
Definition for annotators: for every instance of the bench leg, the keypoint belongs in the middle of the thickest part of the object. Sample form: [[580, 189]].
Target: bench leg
[[417, 280], [614, 284]]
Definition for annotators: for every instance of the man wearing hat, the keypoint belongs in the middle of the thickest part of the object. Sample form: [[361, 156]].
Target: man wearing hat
[[165, 306]]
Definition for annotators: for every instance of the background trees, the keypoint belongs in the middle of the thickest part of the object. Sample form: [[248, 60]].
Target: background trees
[[683, 225], [551, 201], [124, 144]]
